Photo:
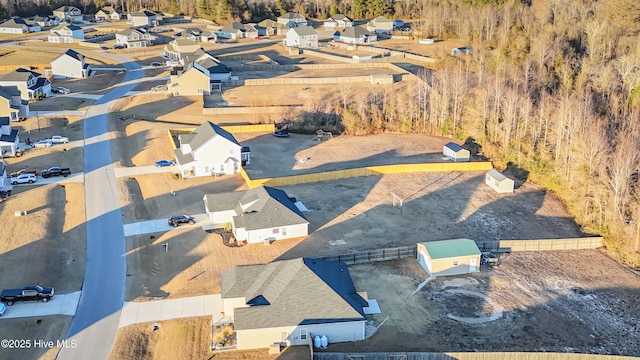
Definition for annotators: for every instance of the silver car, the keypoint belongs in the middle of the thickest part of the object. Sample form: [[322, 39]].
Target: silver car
[[42, 143]]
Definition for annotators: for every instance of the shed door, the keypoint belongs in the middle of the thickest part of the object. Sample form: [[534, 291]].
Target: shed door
[[472, 265]]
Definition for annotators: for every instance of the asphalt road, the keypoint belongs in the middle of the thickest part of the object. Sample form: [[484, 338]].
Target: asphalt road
[[99, 310]]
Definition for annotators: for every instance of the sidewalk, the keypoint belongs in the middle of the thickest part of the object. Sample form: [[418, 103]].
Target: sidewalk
[[157, 310]]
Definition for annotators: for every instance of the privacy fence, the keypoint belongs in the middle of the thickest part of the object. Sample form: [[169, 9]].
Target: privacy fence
[[463, 356]]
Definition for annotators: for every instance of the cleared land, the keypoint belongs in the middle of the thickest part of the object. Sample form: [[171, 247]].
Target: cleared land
[[562, 301]]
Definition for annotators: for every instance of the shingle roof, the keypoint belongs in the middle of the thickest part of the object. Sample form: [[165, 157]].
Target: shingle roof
[[13, 23], [451, 248], [290, 15], [293, 292], [206, 132], [181, 158], [66, 8], [11, 137], [74, 55], [453, 146], [355, 32], [380, 19], [143, 13], [107, 10], [305, 31], [18, 75], [8, 91], [65, 26], [212, 65], [268, 23]]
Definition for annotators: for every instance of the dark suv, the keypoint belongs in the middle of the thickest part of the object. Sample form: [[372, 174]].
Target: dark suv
[[176, 220]]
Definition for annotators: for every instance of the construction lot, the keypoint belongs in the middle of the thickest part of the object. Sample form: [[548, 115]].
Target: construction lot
[[559, 301]]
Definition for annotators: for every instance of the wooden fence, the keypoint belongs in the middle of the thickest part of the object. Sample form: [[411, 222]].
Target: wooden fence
[[463, 356]]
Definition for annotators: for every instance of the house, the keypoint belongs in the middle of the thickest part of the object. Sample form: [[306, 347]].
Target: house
[[65, 33], [45, 20], [261, 214], [9, 138], [208, 150], [270, 27], [238, 30], [70, 65], [357, 35], [338, 20], [19, 26], [31, 84], [200, 77], [183, 51], [305, 37], [291, 301], [12, 105], [134, 38], [292, 20], [108, 13], [449, 257], [398, 23], [208, 36], [498, 182], [461, 51], [380, 25], [144, 18], [455, 152], [68, 14]]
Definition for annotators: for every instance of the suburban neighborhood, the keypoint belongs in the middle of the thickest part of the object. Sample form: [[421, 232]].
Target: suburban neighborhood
[[315, 181]]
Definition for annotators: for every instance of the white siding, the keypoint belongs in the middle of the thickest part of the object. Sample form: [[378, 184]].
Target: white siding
[[213, 154], [9, 30], [231, 304], [65, 66], [335, 332], [292, 231], [222, 217]]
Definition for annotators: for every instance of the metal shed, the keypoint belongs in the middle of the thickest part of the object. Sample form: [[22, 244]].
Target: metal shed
[[498, 182], [449, 257], [455, 152]]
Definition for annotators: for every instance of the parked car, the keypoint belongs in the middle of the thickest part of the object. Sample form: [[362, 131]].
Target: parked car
[[42, 143], [157, 64], [172, 63], [3, 309], [159, 88], [57, 139], [104, 48], [29, 292], [55, 171], [23, 171], [60, 90], [176, 220], [118, 46], [164, 163], [24, 179]]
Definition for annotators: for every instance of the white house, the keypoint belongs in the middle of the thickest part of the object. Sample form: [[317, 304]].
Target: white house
[[257, 215], [31, 84], [380, 25], [65, 33], [357, 35], [208, 150], [338, 20], [134, 38], [238, 30], [70, 65], [19, 26], [498, 182], [12, 105], [183, 51], [144, 18], [305, 37], [68, 14], [45, 20], [455, 152], [291, 302], [108, 13], [292, 19], [270, 27], [200, 77], [9, 139]]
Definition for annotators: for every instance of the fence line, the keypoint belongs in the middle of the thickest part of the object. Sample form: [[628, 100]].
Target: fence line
[[372, 255], [463, 356], [272, 109]]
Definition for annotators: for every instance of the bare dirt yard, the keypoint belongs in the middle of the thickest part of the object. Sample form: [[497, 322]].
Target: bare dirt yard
[[561, 301]]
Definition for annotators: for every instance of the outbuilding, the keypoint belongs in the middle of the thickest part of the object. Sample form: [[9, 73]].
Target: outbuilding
[[455, 152], [498, 182], [449, 257]]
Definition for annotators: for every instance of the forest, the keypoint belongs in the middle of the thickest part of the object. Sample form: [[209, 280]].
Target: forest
[[551, 92]]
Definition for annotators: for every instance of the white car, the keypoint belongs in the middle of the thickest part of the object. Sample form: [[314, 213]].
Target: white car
[[42, 143], [24, 179], [57, 139], [159, 88]]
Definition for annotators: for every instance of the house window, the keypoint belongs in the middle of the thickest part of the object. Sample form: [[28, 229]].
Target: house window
[[455, 262], [199, 91], [284, 231], [276, 231], [221, 168], [303, 334]]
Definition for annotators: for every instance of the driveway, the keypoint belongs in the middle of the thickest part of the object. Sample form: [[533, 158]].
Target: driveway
[[159, 225], [139, 170], [60, 304], [158, 310]]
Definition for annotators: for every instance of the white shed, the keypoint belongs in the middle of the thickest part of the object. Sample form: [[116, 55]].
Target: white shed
[[455, 152], [498, 182]]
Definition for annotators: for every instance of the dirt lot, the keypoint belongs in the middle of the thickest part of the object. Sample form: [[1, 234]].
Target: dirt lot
[[563, 301]]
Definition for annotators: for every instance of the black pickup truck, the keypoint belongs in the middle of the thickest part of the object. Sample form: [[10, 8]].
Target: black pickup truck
[[55, 171], [27, 293]]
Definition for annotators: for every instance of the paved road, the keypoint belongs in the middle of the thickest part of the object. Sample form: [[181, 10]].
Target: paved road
[[61, 304], [98, 316], [139, 312]]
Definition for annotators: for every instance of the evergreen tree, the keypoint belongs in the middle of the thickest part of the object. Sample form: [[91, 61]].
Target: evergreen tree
[[203, 9]]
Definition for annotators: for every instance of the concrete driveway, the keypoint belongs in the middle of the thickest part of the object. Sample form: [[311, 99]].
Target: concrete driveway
[[140, 312], [60, 304], [158, 225], [139, 170], [73, 178]]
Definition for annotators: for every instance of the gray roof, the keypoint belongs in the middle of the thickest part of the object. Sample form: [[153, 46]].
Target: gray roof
[[293, 292], [212, 65], [380, 19], [65, 26], [181, 158], [206, 132], [107, 10], [342, 17], [305, 31], [8, 91], [268, 23], [128, 31], [289, 15], [259, 208], [66, 8], [74, 55], [453, 146], [356, 32], [143, 13], [19, 74], [13, 23], [4, 121], [11, 137]]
